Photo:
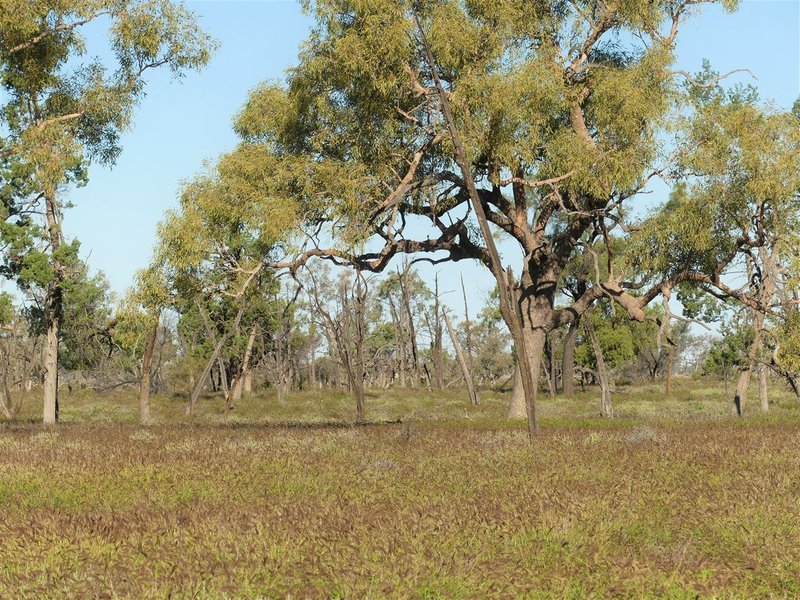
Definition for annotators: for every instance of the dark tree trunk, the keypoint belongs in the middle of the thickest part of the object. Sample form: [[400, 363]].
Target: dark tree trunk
[[568, 359]]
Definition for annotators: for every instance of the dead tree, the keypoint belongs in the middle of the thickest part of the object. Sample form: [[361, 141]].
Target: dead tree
[[462, 360], [278, 348], [346, 328]]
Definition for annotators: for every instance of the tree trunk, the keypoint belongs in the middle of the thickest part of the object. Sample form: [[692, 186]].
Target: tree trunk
[[438, 356], [312, 373], [568, 359], [359, 373], [510, 296], [606, 408], [248, 382], [552, 371], [462, 360], [763, 394], [670, 368], [794, 383], [144, 387], [50, 415], [53, 312], [412, 333], [283, 389], [198, 387], [358, 392], [245, 367], [743, 384], [516, 410], [534, 346]]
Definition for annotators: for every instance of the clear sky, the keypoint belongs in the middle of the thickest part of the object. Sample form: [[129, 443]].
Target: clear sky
[[181, 124]]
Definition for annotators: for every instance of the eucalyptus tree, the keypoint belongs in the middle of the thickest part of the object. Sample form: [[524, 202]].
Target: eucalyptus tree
[[733, 228], [785, 358], [558, 107], [61, 110], [405, 295], [213, 246], [138, 321], [341, 309]]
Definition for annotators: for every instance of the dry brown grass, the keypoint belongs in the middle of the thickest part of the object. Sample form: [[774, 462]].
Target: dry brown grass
[[645, 506]]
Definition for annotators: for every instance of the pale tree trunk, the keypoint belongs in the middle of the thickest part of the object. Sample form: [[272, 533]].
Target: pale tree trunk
[[360, 371], [281, 390], [763, 393], [742, 386], [516, 410], [223, 381], [534, 346], [670, 368], [743, 383], [53, 312], [283, 386], [200, 381], [245, 368], [248, 382], [462, 360], [312, 373], [51, 374], [568, 359], [144, 387], [438, 357], [6, 401], [467, 324], [412, 332], [606, 408]]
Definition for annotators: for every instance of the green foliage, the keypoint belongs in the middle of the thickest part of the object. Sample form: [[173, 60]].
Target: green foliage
[[617, 340], [327, 147], [59, 110], [730, 352], [787, 334]]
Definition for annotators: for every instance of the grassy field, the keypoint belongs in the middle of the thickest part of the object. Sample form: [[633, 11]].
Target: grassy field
[[675, 498]]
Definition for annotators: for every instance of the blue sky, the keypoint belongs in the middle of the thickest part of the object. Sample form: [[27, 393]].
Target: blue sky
[[181, 124]]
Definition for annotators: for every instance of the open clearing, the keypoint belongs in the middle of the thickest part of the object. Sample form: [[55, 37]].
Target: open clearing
[[673, 499]]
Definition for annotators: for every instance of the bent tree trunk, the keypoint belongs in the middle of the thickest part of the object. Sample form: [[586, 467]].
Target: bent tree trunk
[[200, 381], [794, 383], [144, 387], [241, 376], [603, 376], [471, 391]]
